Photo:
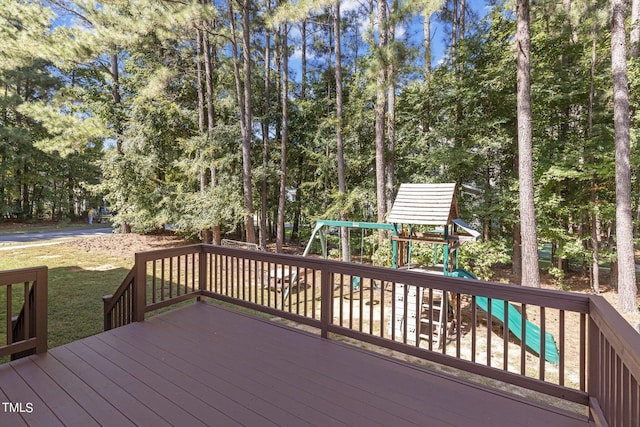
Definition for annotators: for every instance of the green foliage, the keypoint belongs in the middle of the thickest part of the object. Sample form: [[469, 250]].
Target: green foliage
[[558, 277], [356, 203], [220, 205], [383, 255], [480, 257], [67, 141]]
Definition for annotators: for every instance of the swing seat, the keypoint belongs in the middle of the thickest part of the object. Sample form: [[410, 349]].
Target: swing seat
[[355, 283]]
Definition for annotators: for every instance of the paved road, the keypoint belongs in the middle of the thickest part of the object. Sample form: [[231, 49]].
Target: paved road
[[41, 236]]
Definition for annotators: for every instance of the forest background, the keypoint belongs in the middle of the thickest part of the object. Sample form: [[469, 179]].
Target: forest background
[[247, 115]]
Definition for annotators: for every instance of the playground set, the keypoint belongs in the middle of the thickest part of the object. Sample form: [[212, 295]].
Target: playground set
[[428, 214]]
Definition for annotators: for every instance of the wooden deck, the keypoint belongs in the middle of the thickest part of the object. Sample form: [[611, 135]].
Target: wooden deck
[[204, 365]]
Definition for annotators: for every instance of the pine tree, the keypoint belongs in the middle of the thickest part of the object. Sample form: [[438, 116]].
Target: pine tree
[[528, 231], [627, 288]]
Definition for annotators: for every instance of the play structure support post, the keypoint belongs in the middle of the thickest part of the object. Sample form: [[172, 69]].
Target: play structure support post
[[455, 253], [409, 246], [323, 243], [394, 253], [445, 251]]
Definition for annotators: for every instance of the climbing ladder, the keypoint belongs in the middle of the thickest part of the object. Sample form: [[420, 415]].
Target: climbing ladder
[[435, 311], [434, 315]]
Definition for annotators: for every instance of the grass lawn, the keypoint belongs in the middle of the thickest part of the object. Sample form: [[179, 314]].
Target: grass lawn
[[77, 282]]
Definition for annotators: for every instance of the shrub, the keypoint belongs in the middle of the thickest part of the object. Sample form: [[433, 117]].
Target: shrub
[[480, 257]]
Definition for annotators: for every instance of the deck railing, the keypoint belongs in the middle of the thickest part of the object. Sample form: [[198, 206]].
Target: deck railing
[[614, 366], [23, 294], [590, 355]]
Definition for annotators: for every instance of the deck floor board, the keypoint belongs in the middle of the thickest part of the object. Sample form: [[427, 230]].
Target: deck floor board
[[15, 419], [112, 393], [250, 377], [59, 402], [188, 375], [19, 392], [80, 391], [206, 365], [316, 364], [147, 394]]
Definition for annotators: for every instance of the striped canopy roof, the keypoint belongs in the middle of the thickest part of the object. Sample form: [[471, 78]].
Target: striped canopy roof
[[428, 204]]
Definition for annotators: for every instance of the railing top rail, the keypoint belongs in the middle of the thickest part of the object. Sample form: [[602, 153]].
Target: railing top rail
[[113, 299], [543, 297], [9, 277], [620, 334], [293, 260]]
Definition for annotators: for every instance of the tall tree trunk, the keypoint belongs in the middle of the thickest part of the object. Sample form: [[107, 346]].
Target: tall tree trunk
[[342, 184], [566, 62], [303, 60], [528, 232], [200, 80], [391, 106], [627, 289], [265, 137], [426, 34], [454, 34], [205, 233], [462, 23], [300, 158], [243, 93], [115, 95], [380, 111], [283, 137], [297, 215], [118, 126], [634, 38], [595, 216], [248, 136], [456, 66], [214, 234], [595, 241]]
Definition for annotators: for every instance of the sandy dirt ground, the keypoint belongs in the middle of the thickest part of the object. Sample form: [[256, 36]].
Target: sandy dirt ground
[[126, 245]]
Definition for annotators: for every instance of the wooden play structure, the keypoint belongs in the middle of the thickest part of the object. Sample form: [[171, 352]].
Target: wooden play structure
[[435, 207], [428, 214]]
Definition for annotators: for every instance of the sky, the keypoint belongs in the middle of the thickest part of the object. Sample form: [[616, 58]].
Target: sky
[[412, 32]]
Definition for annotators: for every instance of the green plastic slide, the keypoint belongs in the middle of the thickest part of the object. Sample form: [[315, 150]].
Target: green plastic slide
[[532, 331]]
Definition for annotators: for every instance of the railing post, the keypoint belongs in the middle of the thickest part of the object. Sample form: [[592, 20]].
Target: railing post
[[41, 307], [107, 324], [326, 300], [139, 289], [593, 361], [202, 272]]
